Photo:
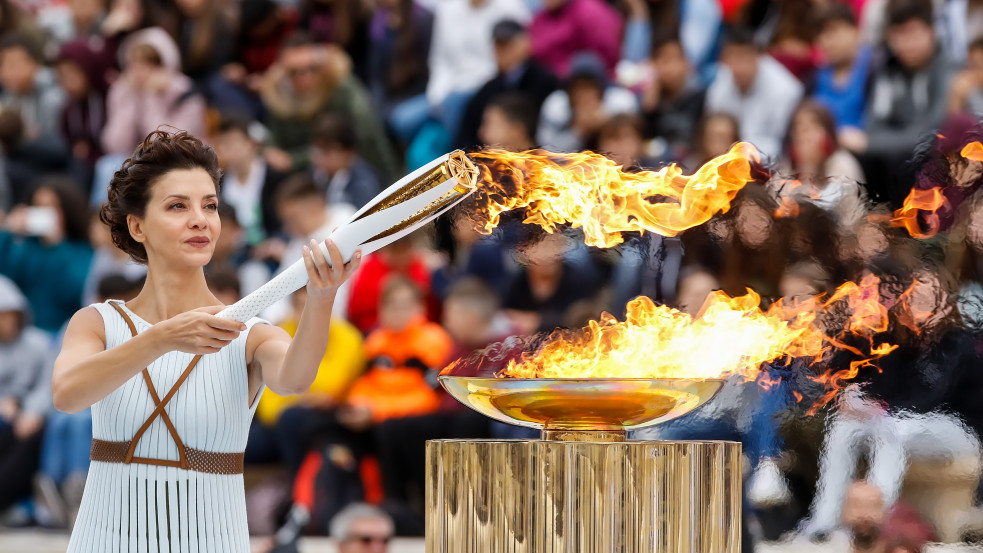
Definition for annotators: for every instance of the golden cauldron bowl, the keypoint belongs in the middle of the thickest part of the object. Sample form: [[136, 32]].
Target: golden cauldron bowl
[[600, 409]]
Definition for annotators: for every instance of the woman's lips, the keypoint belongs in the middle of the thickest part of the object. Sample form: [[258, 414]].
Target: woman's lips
[[198, 242]]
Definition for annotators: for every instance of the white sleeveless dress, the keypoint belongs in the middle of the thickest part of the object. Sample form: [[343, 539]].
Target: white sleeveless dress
[[146, 508]]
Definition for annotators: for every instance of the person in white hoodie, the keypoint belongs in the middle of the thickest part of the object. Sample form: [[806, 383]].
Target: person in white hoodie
[[755, 89], [25, 393]]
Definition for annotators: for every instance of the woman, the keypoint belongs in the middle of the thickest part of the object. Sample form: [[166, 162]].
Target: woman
[[44, 249], [167, 448], [827, 175]]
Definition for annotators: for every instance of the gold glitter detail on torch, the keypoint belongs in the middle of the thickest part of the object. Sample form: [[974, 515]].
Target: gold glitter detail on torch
[[458, 166]]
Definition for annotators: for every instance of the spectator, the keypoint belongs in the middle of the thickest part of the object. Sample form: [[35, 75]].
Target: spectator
[[306, 216], [46, 253], [362, 528], [714, 136], [232, 254], [107, 261], [841, 82], [337, 168], [249, 184], [471, 254], [149, 93], [755, 89], [460, 62], [78, 19], [30, 88], [546, 286], [401, 257], [565, 28], [473, 320], [826, 175], [271, 438], [571, 115], [309, 80], [509, 123], [908, 97], [517, 71], [83, 71], [966, 95], [697, 23], [621, 140], [671, 101], [344, 23], [25, 160], [25, 393], [202, 34], [401, 33], [68, 438]]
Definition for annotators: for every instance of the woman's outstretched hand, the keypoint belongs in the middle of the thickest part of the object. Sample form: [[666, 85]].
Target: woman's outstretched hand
[[198, 331], [325, 278]]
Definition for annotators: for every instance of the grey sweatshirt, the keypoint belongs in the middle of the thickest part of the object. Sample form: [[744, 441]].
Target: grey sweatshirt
[[25, 362]]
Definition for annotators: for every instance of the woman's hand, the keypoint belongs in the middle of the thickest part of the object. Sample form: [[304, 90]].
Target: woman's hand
[[199, 331], [325, 279]]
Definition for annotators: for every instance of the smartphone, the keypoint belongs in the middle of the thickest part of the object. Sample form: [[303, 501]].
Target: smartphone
[[40, 221]]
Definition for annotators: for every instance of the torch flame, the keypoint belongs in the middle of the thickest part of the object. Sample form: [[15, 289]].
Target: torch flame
[[972, 151], [590, 191]]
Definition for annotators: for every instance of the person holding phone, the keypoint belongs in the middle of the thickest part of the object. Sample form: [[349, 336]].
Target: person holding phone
[[44, 249], [172, 386]]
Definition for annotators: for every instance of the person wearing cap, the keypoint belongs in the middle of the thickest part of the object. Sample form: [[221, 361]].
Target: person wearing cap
[[517, 72], [564, 28], [570, 116], [25, 393]]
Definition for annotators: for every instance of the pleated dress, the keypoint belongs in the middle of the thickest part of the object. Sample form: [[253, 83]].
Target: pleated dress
[[166, 471]]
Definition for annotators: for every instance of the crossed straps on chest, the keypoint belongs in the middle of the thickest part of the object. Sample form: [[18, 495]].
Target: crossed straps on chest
[[188, 458]]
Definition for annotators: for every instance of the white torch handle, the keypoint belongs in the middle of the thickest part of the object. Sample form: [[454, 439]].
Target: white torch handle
[[359, 232]]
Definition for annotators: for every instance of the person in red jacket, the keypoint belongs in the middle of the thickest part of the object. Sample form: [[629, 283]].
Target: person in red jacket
[[567, 27], [402, 257]]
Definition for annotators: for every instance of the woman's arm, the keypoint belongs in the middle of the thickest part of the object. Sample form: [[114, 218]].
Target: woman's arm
[[288, 366], [85, 371]]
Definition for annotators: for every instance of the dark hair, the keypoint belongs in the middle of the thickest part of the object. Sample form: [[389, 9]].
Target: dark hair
[[826, 121], [11, 129], [147, 53], [300, 186], [335, 130], [507, 30], [740, 36], [662, 39], [298, 39], [234, 122], [476, 295], [118, 287], [227, 214], [397, 282], [72, 204], [24, 42], [899, 12], [223, 279], [835, 12], [976, 44], [160, 153], [621, 121], [518, 108]]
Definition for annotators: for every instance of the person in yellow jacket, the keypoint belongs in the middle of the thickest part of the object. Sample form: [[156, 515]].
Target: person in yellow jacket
[[273, 439]]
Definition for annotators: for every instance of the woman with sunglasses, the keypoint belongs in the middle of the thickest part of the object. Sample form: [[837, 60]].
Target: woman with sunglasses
[[172, 386]]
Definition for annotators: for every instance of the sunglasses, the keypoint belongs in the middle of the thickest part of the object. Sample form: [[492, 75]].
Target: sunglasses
[[369, 540]]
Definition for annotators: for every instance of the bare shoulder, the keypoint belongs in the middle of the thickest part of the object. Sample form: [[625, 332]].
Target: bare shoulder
[[264, 333], [86, 322]]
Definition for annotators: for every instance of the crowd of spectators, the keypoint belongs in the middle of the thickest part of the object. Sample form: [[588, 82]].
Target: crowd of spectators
[[314, 106]]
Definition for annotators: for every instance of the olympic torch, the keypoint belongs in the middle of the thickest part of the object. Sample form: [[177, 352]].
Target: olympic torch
[[404, 207]]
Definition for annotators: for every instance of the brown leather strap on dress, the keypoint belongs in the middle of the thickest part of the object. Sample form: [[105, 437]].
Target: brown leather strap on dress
[[184, 452], [196, 459]]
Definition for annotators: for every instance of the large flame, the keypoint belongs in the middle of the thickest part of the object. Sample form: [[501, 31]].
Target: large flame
[[590, 191], [730, 336]]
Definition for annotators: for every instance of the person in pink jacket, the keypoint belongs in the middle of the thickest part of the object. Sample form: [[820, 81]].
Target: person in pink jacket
[[151, 91], [566, 27]]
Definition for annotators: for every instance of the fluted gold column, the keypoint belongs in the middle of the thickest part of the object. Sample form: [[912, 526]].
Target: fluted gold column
[[583, 497]]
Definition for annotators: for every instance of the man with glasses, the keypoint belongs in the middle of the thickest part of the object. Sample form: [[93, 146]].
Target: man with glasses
[[362, 528]]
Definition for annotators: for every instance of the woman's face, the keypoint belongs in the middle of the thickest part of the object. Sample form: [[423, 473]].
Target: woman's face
[[181, 224], [808, 136]]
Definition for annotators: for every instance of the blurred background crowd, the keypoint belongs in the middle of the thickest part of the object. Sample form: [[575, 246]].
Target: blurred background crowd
[[315, 106]]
